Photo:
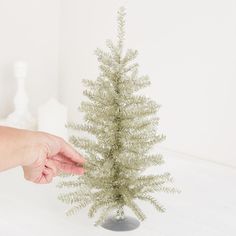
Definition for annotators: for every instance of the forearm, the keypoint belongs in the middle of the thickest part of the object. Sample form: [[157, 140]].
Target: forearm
[[11, 148]]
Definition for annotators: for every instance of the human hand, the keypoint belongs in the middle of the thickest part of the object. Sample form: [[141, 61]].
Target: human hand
[[41, 155], [50, 156]]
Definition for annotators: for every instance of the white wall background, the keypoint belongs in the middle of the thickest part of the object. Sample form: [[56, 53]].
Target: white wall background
[[187, 47], [29, 31]]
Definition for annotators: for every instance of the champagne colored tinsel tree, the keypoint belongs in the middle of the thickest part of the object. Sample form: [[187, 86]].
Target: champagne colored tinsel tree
[[124, 125]]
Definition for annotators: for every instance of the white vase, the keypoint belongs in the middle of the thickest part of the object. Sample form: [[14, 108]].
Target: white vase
[[52, 118], [21, 116]]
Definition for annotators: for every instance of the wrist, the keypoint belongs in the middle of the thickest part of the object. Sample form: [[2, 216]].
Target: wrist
[[15, 145]]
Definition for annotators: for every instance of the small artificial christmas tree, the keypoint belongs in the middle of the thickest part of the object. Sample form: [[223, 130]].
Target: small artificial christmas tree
[[124, 126]]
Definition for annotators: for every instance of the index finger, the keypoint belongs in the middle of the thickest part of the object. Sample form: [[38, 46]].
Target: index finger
[[68, 151]]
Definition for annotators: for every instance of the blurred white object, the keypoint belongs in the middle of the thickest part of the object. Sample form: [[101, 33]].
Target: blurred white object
[[21, 117], [52, 118]]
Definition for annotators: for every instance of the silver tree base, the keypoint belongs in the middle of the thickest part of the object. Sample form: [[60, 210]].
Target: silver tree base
[[126, 224]]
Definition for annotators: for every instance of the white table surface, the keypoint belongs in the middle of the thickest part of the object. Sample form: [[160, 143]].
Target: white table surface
[[206, 206]]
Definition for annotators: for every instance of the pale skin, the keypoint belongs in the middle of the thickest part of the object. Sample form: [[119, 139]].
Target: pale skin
[[41, 155]]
